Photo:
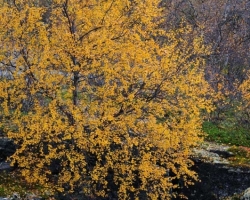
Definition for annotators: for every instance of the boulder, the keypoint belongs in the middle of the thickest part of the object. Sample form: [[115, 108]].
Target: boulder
[[7, 148], [246, 194]]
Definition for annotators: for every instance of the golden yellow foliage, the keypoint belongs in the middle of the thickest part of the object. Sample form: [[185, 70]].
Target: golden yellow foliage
[[245, 90], [92, 91]]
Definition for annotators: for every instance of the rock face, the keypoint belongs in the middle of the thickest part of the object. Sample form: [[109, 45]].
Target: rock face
[[7, 148], [246, 194]]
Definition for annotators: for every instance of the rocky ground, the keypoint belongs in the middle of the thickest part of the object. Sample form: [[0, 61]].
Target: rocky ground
[[219, 178]]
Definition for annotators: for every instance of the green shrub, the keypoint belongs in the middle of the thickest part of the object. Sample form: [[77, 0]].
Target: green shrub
[[227, 133]]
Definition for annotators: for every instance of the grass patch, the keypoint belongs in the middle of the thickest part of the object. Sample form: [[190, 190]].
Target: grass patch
[[227, 133]]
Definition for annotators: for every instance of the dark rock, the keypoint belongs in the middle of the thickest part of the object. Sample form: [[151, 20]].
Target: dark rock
[[5, 166], [7, 148]]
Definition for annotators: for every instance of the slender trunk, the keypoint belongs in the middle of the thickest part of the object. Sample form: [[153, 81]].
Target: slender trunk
[[75, 84]]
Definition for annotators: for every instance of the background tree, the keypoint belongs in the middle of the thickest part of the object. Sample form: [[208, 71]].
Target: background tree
[[96, 100], [225, 26]]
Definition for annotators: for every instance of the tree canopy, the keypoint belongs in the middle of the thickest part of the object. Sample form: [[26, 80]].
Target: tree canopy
[[98, 97]]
